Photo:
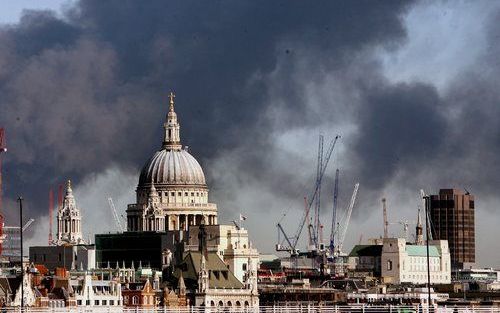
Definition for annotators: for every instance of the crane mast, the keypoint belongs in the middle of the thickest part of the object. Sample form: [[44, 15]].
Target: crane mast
[[386, 222], [115, 215], [347, 219], [317, 202], [334, 214], [3, 149]]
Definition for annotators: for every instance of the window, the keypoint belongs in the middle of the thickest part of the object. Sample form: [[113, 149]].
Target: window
[[192, 194], [185, 194], [111, 302], [135, 300], [104, 302], [389, 265], [79, 302], [87, 302], [172, 193], [96, 302], [179, 193], [244, 266]]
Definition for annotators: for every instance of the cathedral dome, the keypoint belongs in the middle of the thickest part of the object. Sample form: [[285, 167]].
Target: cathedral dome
[[172, 167]]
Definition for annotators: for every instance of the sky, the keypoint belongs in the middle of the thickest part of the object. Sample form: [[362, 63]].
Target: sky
[[411, 87]]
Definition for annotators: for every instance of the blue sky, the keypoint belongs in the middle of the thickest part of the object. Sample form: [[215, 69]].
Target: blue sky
[[10, 11]]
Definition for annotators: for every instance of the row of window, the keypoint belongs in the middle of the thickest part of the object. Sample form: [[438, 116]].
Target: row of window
[[135, 300], [229, 303], [423, 276], [179, 194], [99, 302]]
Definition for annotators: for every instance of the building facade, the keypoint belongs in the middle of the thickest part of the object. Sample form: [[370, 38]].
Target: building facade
[[172, 193], [407, 263], [90, 292], [64, 256], [231, 244], [452, 218]]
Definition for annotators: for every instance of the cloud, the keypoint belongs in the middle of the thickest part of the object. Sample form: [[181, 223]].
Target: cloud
[[83, 96]]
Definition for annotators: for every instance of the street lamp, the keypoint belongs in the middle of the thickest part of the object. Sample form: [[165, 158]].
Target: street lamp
[[427, 205], [20, 199]]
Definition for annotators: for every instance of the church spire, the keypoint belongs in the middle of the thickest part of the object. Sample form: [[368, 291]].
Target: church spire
[[171, 96], [419, 231], [172, 138]]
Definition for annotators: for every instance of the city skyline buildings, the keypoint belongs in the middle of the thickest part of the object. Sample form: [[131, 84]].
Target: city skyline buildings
[[257, 96]]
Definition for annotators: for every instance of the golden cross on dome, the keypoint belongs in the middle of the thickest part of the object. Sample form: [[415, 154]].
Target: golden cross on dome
[[171, 96]]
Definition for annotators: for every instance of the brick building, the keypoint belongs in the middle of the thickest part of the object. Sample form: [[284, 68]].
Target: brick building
[[452, 219]]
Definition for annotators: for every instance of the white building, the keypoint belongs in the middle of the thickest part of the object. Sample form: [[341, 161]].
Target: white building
[[407, 263], [91, 292], [172, 193], [232, 245], [69, 221], [216, 285]]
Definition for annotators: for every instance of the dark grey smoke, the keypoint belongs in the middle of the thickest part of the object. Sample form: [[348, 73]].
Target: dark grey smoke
[[87, 92], [84, 92]]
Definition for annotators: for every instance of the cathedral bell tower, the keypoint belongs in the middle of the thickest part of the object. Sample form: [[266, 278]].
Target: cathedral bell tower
[[172, 138], [69, 220]]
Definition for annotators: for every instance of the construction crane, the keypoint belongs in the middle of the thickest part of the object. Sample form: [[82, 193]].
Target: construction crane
[[293, 241], [115, 215], [3, 149], [317, 202], [386, 222], [28, 224], [422, 197], [404, 223], [334, 213], [344, 224]]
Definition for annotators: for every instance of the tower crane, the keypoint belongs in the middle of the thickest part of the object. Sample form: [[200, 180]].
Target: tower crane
[[422, 197], [317, 202], [346, 219], [293, 241], [3, 149], [334, 214], [115, 215], [28, 224], [386, 222]]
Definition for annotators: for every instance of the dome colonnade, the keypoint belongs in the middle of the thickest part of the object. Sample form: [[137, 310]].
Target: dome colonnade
[[172, 193]]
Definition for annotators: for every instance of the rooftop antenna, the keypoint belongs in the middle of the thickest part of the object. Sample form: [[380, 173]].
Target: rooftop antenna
[[51, 207]]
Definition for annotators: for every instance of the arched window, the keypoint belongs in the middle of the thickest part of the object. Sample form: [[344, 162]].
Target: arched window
[[229, 303], [246, 303], [221, 303], [135, 300], [238, 303], [212, 303]]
